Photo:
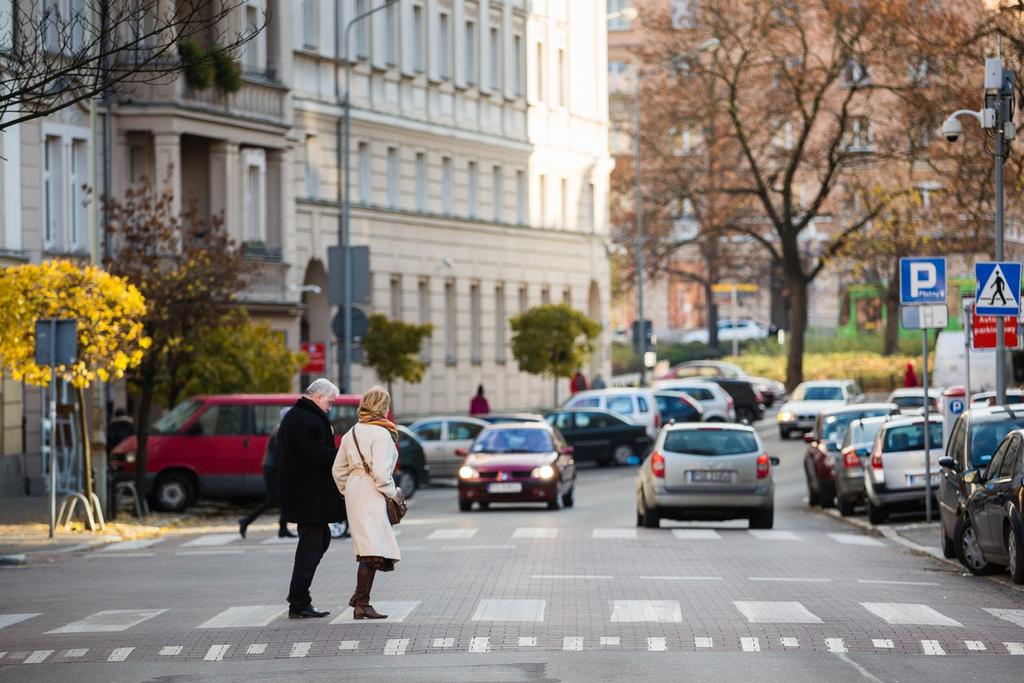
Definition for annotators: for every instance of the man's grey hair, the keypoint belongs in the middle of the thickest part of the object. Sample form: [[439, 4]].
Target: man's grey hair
[[323, 387]]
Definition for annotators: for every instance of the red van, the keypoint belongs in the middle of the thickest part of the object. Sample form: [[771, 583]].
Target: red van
[[214, 445]]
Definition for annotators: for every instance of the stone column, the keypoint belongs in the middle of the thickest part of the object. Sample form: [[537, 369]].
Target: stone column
[[167, 151], [225, 186]]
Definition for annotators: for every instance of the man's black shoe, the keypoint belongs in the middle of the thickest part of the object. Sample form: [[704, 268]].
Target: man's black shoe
[[284, 533], [306, 612], [242, 526]]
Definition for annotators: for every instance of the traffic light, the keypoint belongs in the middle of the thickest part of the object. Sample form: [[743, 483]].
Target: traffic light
[[643, 346]]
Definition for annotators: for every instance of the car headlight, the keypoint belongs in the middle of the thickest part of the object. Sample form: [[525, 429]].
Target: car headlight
[[467, 472], [129, 456], [543, 472], [785, 416]]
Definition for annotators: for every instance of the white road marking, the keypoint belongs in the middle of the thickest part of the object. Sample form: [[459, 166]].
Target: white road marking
[[480, 644], [1014, 616], [3, 654], [397, 612], [278, 540], [120, 654], [789, 579], [697, 534], [187, 553], [882, 643], [681, 578], [208, 540], [109, 621], [256, 649], [38, 656], [790, 642], [527, 641], [496, 546], [613, 533], [867, 675], [248, 615], [1014, 648], [702, 642], [396, 646], [629, 611], [348, 645], [535, 532], [11, 619], [131, 545], [932, 647], [117, 556], [776, 612], [856, 539], [510, 610], [975, 645], [444, 642], [897, 583], [835, 645], [216, 653], [75, 652], [572, 644], [573, 577], [908, 613], [773, 535], [750, 644], [300, 649], [610, 640], [451, 534], [656, 644], [170, 650]]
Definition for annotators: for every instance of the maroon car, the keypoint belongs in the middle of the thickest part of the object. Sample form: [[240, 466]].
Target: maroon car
[[518, 463]]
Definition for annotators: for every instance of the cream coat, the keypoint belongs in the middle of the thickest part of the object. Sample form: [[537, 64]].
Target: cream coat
[[372, 534]]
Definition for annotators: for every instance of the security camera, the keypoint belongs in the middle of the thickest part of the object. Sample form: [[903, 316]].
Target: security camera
[[951, 129]]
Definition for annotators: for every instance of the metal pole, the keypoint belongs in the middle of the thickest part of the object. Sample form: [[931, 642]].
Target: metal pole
[[968, 316], [53, 424], [642, 326], [1000, 322], [927, 444], [735, 317]]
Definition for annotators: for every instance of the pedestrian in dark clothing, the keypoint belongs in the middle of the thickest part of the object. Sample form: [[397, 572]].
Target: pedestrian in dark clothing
[[309, 496], [120, 428], [478, 405], [910, 377], [271, 497], [599, 383]]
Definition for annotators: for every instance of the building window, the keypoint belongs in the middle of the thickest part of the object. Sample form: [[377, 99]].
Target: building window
[[65, 175], [423, 294], [52, 23], [52, 199], [861, 137], [545, 295], [495, 59], [6, 29], [524, 299], [391, 34], [365, 173], [421, 181], [567, 296], [394, 190], [564, 199], [444, 48], [542, 198], [562, 85], [540, 72], [474, 324], [396, 297], [311, 167], [449, 323], [499, 324], [496, 195], [79, 179], [472, 183], [255, 214], [469, 58], [418, 42], [520, 197], [590, 207], [255, 60], [362, 29], [619, 23], [310, 24], [446, 185], [517, 64], [684, 14]]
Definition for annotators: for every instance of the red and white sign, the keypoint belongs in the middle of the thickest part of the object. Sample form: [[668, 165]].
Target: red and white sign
[[983, 328], [317, 353]]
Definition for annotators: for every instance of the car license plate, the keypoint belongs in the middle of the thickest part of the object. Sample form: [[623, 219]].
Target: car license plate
[[505, 487], [918, 479], [710, 476]]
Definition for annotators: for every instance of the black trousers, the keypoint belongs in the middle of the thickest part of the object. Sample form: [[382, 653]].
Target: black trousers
[[314, 539], [269, 500]]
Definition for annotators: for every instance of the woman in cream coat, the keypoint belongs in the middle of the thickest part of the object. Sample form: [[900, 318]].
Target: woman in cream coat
[[365, 488]]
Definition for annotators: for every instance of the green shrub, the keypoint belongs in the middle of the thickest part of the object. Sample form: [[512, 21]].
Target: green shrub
[[624, 359], [229, 73], [195, 64]]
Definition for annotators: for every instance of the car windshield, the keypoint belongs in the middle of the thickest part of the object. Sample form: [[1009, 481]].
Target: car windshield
[[172, 422], [911, 438], [865, 433], [835, 426], [913, 401], [818, 394], [514, 441], [986, 437], [710, 441]]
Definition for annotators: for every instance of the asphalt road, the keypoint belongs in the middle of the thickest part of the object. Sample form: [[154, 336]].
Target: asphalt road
[[524, 594]]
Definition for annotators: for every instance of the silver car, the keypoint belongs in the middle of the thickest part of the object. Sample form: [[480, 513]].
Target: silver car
[[894, 475], [443, 439], [854, 452], [701, 471]]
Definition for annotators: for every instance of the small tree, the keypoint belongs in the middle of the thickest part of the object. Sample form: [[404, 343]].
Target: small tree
[[392, 349], [552, 339]]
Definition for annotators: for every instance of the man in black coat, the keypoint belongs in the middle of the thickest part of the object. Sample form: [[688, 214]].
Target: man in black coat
[[309, 496]]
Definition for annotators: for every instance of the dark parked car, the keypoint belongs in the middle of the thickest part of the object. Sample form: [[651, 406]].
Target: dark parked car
[[528, 462], [675, 406], [823, 446], [748, 400], [413, 470], [771, 390], [991, 535], [499, 418], [973, 440], [600, 435]]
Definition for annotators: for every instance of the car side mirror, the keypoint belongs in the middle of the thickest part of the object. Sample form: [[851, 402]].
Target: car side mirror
[[461, 452], [808, 438], [568, 450], [972, 477], [948, 463], [774, 461], [195, 430]]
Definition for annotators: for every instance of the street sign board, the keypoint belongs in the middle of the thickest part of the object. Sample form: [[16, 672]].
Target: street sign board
[[983, 331], [956, 406], [360, 324], [922, 280], [316, 352], [925, 317], [360, 276], [998, 288], [60, 336]]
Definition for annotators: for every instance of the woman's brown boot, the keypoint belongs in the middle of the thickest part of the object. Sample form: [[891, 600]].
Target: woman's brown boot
[[364, 583]]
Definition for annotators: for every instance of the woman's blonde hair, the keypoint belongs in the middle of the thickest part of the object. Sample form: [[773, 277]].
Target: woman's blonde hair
[[375, 402]]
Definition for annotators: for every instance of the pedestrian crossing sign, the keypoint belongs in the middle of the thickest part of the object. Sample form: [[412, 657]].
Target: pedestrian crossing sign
[[998, 288]]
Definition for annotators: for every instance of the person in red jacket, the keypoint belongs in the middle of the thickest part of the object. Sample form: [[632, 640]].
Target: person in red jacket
[[478, 405], [578, 382], [910, 377]]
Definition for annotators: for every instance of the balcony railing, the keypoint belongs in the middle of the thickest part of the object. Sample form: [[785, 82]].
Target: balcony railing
[[256, 99], [266, 280]]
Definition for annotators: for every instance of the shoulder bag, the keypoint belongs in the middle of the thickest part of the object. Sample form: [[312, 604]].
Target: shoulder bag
[[396, 506]]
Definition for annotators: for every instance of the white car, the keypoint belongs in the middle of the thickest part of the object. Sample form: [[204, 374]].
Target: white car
[[895, 472], [988, 398], [636, 405], [717, 404], [911, 400], [741, 330], [799, 413]]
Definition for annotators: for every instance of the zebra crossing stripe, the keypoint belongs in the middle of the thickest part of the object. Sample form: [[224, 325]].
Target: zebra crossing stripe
[[790, 642], [656, 644], [572, 643], [120, 654], [396, 646], [38, 656], [444, 642], [256, 649], [1014, 648], [300, 649], [750, 644], [216, 653], [75, 653], [348, 645], [170, 650], [932, 647], [975, 645], [703, 642], [882, 643], [610, 640], [527, 641], [836, 645], [480, 644]]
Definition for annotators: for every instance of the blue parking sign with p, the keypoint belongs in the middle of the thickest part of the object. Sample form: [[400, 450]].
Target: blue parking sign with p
[[922, 280]]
